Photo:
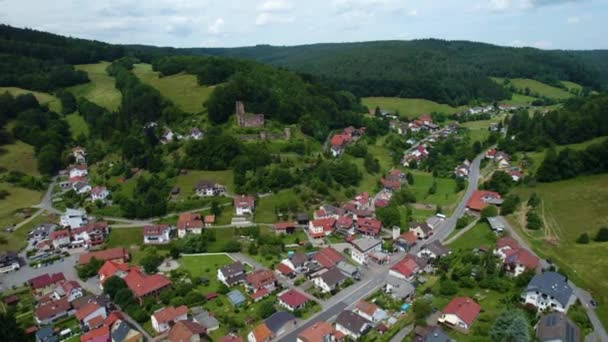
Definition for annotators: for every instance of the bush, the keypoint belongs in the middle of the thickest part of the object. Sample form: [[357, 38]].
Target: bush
[[534, 200], [602, 235], [583, 239], [462, 222], [509, 205], [534, 221], [448, 287], [489, 211]]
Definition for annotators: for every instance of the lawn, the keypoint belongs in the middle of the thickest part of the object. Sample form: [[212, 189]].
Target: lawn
[[570, 208], [77, 124], [408, 107], [43, 98], [18, 198], [19, 157], [101, 90], [205, 266], [265, 211], [129, 238], [537, 87], [181, 89], [18, 239], [444, 196], [187, 182], [479, 235], [538, 157]]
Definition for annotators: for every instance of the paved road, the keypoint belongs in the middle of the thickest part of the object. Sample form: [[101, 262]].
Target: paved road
[[402, 333], [583, 296], [47, 201]]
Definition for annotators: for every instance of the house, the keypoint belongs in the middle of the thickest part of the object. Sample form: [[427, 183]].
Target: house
[[61, 238], [482, 198], [206, 188], [370, 311], [244, 119], [120, 331], [516, 175], [9, 261], [431, 334], [284, 227], [92, 234], [549, 291], [329, 280], [167, 136], [46, 334], [42, 231], [490, 153], [118, 255], [157, 234], [231, 274], [292, 300], [79, 170], [230, 338], [278, 321], [362, 248], [368, 226], [196, 134], [399, 288], [244, 205], [405, 269], [285, 270], [69, 289], [45, 281], [328, 257], [433, 250], [260, 333], [162, 319], [110, 269], [144, 286], [204, 318], [406, 240], [79, 155], [297, 261], [415, 156], [189, 223], [515, 259], [235, 297], [186, 331], [260, 294], [50, 312], [260, 279], [338, 143], [557, 327], [320, 331], [390, 184], [496, 224], [421, 229], [73, 218], [81, 188], [460, 313], [462, 171], [322, 227], [101, 334], [345, 225], [99, 193], [90, 313], [352, 325]]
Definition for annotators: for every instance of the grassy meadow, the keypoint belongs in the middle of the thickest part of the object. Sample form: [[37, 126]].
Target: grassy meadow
[[480, 235], [181, 89], [537, 87], [77, 124], [18, 198], [19, 157], [187, 182], [519, 99], [538, 157], [570, 208], [408, 107], [101, 90], [43, 98], [444, 196]]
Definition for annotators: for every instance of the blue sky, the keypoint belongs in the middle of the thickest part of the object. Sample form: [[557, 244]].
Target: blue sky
[[547, 24]]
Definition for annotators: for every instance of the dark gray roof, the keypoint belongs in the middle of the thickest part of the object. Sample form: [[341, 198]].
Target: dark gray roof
[[431, 334], [44, 333], [436, 248], [120, 330], [352, 322], [277, 320], [302, 217], [332, 277], [232, 269], [299, 259], [557, 326], [236, 297], [204, 318], [551, 284], [423, 226]]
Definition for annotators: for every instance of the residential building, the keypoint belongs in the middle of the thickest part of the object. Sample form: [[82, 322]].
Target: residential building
[[352, 325], [405, 269], [189, 223], [70, 289], [320, 331], [421, 229], [433, 250], [260, 333], [73, 218], [406, 241], [329, 280], [196, 134], [96, 335], [79, 154], [549, 291], [515, 259], [60, 238], [99, 193], [50, 312], [205, 318], [370, 312], [284, 227], [362, 248], [91, 234], [244, 205], [157, 234], [118, 255], [322, 227], [206, 188], [368, 226], [399, 288], [557, 327], [460, 313], [143, 285], [292, 300], [121, 331], [482, 198], [231, 274], [78, 170], [163, 319], [46, 334], [278, 321], [260, 279], [186, 331], [46, 281], [328, 257], [431, 334], [296, 262], [91, 315], [81, 188], [112, 268]]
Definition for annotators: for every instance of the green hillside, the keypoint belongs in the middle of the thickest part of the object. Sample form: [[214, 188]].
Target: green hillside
[[538, 157], [19, 156], [536, 87], [182, 89], [101, 89], [408, 107], [571, 86], [43, 98]]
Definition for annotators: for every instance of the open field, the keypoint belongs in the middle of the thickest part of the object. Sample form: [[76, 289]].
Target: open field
[[519, 99], [570, 208], [205, 266], [265, 208], [19, 157], [18, 239], [538, 157], [101, 90], [478, 130], [43, 98], [479, 235], [572, 86], [18, 198], [537, 87], [181, 89], [408, 107], [444, 196], [187, 182], [77, 124]]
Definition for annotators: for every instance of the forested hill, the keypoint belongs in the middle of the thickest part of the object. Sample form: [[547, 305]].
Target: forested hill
[[453, 72]]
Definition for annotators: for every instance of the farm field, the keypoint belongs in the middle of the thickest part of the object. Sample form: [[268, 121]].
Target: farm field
[[537, 87], [408, 107], [479, 235], [77, 124], [43, 98], [19, 157], [538, 157], [101, 90], [181, 89], [18, 198], [570, 208], [187, 182]]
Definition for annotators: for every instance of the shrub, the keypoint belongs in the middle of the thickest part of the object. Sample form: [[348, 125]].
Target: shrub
[[534, 221], [602, 235], [583, 239]]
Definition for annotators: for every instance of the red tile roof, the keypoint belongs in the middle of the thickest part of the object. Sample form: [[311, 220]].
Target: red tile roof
[[259, 294], [98, 190], [45, 280], [113, 317], [118, 253], [506, 242], [59, 234], [293, 298], [525, 258], [284, 225], [142, 285], [260, 278], [182, 331], [189, 220], [316, 332], [344, 221], [410, 237], [86, 310], [96, 334], [328, 257], [51, 309], [96, 321], [390, 184], [230, 338], [366, 307], [170, 313], [476, 201], [261, 332], [209, 219], [407, 266], [464, 308], [369, 225], [155, 230], [244, 201], [110, 268], [284, 269], [338, 140]]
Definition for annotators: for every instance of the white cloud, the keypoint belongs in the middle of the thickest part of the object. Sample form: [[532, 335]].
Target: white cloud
[[216, 26], [266, 18], [412, 13], [573, 20], [275, 6]]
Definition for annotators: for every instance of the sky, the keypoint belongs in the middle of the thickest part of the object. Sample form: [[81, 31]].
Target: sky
[[545, 24]]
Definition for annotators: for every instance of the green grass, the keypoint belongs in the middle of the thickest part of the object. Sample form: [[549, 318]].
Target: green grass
[[19, 157], [205, 266], [537, 87], [129, 238], [77, 124], [519, 99], [43, 98], [444, 195], [181, 89], [408, 107], [187, 182], [265, 208], [479, 235], [538, 157], [18, 198], [101, 90], [18, 239], [572, 86], [570, 208]]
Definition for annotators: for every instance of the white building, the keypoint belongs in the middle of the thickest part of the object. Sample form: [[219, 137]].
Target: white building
[[73, 218], [78, 171], [163, 319], [362, 248], [157, 234], [99, 193], [549, 291]]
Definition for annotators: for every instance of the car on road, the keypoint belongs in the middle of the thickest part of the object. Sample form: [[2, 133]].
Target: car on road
[[593, 303]]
